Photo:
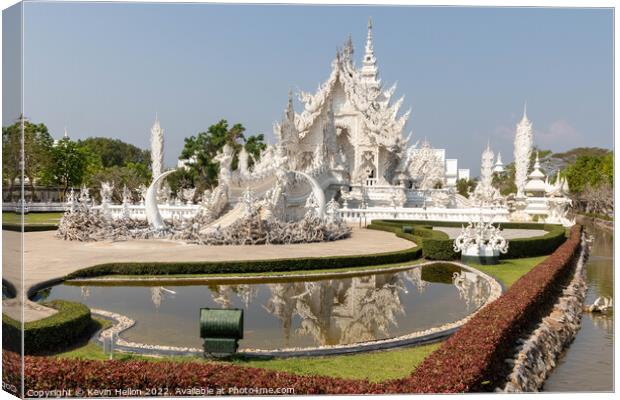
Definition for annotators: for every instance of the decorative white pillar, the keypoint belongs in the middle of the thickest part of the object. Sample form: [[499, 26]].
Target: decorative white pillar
[[157, 149], [522, 152]]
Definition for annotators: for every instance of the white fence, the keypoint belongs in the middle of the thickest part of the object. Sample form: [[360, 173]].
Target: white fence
[[34, 207], [366, 215], [167, 211]]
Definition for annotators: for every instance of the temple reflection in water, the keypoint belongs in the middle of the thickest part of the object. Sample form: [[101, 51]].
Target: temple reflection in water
[[294, 312]]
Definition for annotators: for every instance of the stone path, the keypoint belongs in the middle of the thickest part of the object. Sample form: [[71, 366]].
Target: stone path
[[508, 233], [47, 257]]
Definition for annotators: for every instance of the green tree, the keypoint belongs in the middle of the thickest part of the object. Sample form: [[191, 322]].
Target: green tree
[[204, 147], [37, 144], [115, 152], [70, 164], [131, 175], [465, 186], [590, 170]]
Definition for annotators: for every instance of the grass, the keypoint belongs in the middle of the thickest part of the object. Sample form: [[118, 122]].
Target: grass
[[32, 218], [510, 270], [375, 366]]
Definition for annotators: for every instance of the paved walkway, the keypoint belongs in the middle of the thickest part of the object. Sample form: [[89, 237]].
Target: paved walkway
[[508, 233], [47, 257]]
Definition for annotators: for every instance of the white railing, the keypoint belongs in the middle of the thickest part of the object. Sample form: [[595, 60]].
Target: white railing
[[167, 211], [35, 207], [366, 215]]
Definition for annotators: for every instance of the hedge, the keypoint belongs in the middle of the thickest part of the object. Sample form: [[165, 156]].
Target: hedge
[[29, 227], [55, 332], [254, 266], [473, 358], [470, 360], [436, 245]]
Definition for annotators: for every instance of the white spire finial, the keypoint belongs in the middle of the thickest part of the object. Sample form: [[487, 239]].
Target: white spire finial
[[525, 110], [66, 135], [369, 67]]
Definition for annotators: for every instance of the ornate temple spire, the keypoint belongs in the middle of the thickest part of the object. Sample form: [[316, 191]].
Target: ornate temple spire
[[499, 165], [522, 151], [157, 148], [486, 167], [369, 67], [348, 49]]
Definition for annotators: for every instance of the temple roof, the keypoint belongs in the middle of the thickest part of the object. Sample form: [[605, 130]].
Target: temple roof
[[364, 91]]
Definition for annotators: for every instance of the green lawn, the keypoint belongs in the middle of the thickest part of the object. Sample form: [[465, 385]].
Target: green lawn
[[375, 366], [32, 218], [509, 271]]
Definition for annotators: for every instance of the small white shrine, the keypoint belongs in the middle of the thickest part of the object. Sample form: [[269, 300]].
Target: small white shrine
[[481, 242]]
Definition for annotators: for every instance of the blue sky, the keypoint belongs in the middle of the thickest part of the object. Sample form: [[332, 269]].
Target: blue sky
[[106, 69]]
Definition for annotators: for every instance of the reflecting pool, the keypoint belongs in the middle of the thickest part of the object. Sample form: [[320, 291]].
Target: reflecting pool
[[293, 312]]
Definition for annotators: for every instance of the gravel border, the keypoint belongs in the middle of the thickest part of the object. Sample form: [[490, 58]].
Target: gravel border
[[123, 323]]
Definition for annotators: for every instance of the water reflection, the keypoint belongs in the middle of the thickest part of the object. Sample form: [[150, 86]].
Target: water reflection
[[587, 365], [297, 313], [473, 289], [159, 293]]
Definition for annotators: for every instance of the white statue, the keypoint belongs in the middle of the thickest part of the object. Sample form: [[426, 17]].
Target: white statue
[[249, 202], [188, 195], [225, 158], [126, 212], [70, 204], [485, 193], [106, 192], [332, 210], [481, 240], [142, 192]]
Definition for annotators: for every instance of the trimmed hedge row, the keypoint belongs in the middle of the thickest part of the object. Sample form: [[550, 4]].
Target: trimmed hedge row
[[29, 227], [58, 331], [167, 378], [436, 245], [471, 360], [254, 266]]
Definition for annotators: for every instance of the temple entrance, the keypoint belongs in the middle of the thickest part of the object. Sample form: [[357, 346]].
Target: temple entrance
[[345, 148]]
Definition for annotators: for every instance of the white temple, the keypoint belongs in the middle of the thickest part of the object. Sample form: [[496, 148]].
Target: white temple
[[347, 147]]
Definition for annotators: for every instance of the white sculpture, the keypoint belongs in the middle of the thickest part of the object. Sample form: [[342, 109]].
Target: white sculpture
[[249, 200], [484, 193], [157, 148], [425, 167], [126, 213], [188, 195], [70, 204], [523, 145], [481, 242], [153, 216], [142, 192], [84, 195], [602, 304], [319, 195]]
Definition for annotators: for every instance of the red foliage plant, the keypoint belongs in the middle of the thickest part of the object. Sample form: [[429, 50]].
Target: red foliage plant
[[470, 360]]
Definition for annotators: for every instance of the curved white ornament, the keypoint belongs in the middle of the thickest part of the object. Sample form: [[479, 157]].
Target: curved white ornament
[[317, 191], [153, 216]]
